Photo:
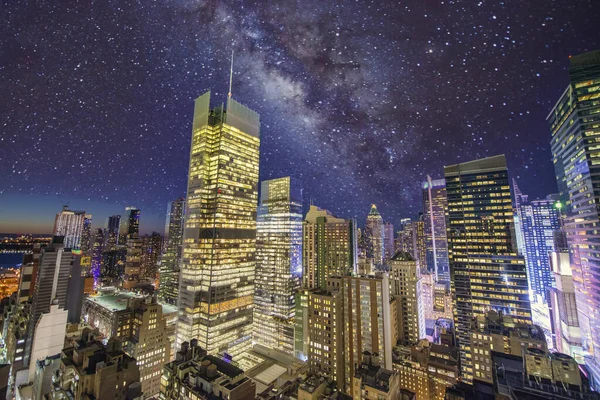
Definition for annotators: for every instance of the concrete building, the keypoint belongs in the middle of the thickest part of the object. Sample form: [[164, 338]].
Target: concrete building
[[329, 247], [216, 291], [373, 382], [406, 288], [278, 262], [196, 375]]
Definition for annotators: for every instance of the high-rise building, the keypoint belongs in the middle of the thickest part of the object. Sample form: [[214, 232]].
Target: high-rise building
[[375, 235], [563, 306], [328, 247], [86, 235], [111, 232], [538, 220], [129, 227], [404, 237], [216, 291], [170, 262], [151, 251], [575, 126], [97, 250], [70, 225], [486, 273], [389, 242], [407, 289], [133, 263], [419, 237], [278, 262], [435, 204]]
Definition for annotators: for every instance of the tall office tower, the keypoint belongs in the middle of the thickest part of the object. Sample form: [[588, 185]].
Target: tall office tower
[[130, 225], [28, 274], [375, 236], [369, 322], [538, 220], [575, 126], [563, 306], [407, 289], [97, 250], [404, 238], [170, 262], [419, 237], [151, 250], [329, 247], [51, 286], [519, 198], [278, 262], [388, 240], [486, 273], [111, 232], [133, 263], [435, 204], [86, 235], [216, 290], [69, 224]]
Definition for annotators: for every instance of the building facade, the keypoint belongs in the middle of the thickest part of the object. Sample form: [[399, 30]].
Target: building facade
[[435, 205], [375, 236], [278, 262], [486, 272], [170, 262], [216, 289], [70, 225]]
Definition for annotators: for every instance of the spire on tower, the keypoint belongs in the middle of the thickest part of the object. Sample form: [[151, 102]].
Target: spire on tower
[[230, 75]]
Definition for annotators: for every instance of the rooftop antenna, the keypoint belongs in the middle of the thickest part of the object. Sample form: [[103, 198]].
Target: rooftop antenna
[[230, 74]]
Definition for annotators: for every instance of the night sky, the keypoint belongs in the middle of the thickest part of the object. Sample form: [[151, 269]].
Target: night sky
[[359, 99]]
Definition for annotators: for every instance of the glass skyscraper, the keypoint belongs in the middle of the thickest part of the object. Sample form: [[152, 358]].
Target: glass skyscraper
[[216, 289], [435, 204], [575, 127], [485, 271], [278, 262], [375, 236], [171, 258]]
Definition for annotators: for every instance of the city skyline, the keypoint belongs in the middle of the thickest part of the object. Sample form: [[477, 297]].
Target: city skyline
[[394, 109]]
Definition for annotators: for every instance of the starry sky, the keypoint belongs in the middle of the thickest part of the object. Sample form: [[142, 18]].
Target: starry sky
[[358, 99]]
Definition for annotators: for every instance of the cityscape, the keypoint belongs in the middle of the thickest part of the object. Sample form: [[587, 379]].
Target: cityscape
[[270, 276]]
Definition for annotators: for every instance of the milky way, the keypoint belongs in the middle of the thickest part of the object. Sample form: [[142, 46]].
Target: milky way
[[359, 99]]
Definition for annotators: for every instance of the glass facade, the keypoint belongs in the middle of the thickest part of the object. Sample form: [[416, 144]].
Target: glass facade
[[278, 262], [485, 271], [216, 289], [375, 236], [171, 258], [575, 126], [435, 204]]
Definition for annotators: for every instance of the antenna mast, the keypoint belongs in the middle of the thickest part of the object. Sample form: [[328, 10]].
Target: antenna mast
[[230, 74]]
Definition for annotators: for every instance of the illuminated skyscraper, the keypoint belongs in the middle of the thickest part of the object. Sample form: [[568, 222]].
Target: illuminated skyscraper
[[130, 225], [575, 126], [375, 236], [70, 225], [435, 204], [171, 258], [329, 247], [111, 232], [278, 262], [388, 240], [419, 250], [486, 273], [216, 289]]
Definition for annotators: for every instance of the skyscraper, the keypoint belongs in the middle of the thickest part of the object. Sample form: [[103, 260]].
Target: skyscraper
[[419, 241], [97, 250], [575, 127], [375, 236], [388, 240], [435, 204], [111, 232], [278, 262], [70, 225], [216, 290], [151, 251], [486, 273], [130, 225], [329, 247], [171, 258]]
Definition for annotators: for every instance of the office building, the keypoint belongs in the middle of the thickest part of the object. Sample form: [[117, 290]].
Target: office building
[[486, 273], [278, 262], [28, 274], [389, 243], [111, 232], [70, 225], [574, 127], [375, 236], [419, 238], [407, 289], [216, 291], [129, 228], [151, 251], [435, 204], [563, 306], [48, 336], [328, 247], [197, 375], [97, 250], [170, 261], [404, 237], [133, 263]]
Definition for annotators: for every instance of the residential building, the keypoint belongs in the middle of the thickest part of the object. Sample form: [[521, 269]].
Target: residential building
[[216, 291], [371, 381], [278, 262], [70, 225]]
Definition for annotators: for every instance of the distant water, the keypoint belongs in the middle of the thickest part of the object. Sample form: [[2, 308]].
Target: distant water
[[10, 260]]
